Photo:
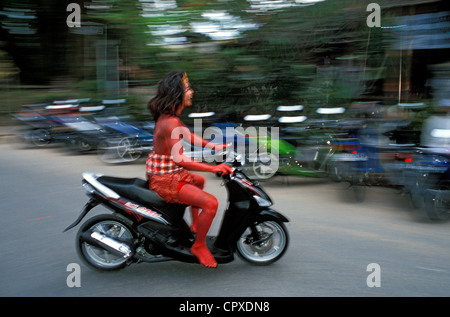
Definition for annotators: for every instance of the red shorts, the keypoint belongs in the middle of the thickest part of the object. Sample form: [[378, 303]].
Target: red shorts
[[168, 185]]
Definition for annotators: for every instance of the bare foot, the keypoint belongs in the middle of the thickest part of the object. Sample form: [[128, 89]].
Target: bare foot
[[203, 255]]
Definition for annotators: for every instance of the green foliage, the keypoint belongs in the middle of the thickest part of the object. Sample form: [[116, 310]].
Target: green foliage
[[277, 64]]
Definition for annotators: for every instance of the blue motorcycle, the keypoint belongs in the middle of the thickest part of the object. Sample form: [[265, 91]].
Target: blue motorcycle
[[129, 142]]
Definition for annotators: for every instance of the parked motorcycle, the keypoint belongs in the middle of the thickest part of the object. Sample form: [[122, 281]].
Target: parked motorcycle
[[81, 134], [428, 183], [62, 122], [144, 228], [372, 156], [299, 151], [128, 141], [428, 178], [40, 124]]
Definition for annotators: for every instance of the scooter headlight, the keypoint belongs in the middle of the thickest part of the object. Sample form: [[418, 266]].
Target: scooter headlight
[[262, 202]]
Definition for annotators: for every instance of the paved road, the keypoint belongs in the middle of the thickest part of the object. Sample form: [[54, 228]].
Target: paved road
[[338, 247]]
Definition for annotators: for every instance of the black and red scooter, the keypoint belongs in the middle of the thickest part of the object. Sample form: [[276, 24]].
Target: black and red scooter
[[144, 228]]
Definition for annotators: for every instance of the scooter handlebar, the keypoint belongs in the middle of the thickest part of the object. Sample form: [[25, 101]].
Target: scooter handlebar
[[236, 161], [220, 174]]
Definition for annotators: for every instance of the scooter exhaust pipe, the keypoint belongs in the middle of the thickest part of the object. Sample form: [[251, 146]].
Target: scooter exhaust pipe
[[100, 240]]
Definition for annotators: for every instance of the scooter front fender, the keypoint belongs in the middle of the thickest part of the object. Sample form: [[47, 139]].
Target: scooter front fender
[[89, 205], [270, 214]]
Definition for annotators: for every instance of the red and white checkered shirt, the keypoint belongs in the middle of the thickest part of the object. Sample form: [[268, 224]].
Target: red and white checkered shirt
[[160, 164]]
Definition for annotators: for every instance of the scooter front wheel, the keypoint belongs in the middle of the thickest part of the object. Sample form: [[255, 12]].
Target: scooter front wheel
[[263, 243]]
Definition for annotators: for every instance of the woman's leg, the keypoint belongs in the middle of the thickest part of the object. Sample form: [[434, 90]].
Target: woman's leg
[[194, 217], [194, 196], [199, 181]]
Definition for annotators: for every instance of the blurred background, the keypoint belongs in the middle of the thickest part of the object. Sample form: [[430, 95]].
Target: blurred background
[[242, 56], [313, 68]]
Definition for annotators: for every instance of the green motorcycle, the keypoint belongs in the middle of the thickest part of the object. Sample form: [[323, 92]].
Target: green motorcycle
[[302, 151]]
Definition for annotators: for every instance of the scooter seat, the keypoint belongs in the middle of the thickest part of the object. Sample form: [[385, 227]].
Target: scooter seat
[[136, 189]]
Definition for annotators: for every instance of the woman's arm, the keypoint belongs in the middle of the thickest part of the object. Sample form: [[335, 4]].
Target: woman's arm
[[176, 131], [198, 141]]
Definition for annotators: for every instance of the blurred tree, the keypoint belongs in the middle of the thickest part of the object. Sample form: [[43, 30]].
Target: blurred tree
[[34, 33], [292, 57]]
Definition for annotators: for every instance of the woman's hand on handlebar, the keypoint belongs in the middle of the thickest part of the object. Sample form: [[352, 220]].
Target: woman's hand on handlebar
[[222, 169]]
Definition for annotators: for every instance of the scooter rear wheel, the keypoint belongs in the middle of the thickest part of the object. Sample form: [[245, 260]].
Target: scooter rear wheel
[[263, 243], [114, 227]]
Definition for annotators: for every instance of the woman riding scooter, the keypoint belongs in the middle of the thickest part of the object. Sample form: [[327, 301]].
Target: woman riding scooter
[[167, 168]]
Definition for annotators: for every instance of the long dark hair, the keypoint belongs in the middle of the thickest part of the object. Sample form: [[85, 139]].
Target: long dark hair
[[169, 95]]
